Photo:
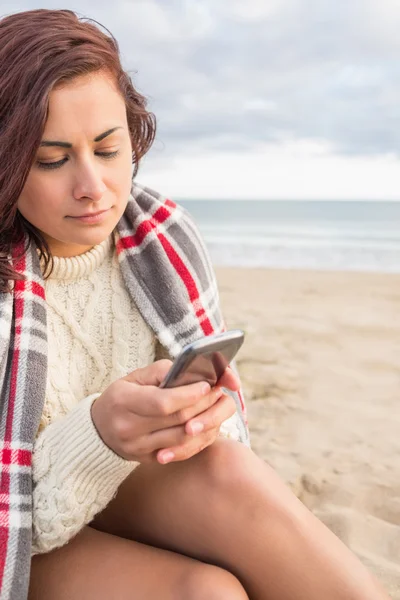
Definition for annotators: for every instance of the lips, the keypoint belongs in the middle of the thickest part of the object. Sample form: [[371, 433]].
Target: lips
[[94, 214]]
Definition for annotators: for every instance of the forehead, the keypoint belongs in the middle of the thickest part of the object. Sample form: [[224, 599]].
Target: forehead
[[85, 105]]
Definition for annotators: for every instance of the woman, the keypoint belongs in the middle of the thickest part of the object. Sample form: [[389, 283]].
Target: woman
[[100, 280]]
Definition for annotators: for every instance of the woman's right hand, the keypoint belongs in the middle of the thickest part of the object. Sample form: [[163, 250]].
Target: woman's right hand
[[136, 418]]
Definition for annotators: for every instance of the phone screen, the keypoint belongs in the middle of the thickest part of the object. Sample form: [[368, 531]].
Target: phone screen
[[203, 367], [205, 359]]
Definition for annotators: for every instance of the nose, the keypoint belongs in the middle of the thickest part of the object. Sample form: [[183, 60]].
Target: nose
[[89, 183]]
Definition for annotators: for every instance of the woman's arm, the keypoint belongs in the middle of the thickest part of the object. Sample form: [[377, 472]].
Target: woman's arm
[[75, 476]]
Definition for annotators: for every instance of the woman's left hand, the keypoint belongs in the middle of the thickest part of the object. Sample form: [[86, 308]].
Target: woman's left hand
[[209, 422]]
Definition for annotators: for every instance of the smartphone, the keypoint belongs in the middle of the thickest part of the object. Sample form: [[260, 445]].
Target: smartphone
[[204, 360]]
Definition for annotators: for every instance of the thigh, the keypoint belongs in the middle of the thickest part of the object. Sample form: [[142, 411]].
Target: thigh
[[189, 507], [99, 566]]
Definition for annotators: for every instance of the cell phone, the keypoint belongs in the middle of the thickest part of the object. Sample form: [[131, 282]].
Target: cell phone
[[204, 360]]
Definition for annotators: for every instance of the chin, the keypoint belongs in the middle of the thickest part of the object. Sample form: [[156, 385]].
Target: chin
[[77, 244], [93, 240]]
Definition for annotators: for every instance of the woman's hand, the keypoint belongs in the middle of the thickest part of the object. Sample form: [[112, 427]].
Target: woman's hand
[[140, 421]]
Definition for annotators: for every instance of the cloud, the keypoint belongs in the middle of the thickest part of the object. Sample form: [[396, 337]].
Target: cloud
[[296, 69], [232, 76], [289, 170]]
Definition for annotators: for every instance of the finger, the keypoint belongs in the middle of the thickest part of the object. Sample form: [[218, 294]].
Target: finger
[[166, 439], [190, 447], [229, 380], [151, 444], [213, 417], [162, 427], [153, 374], [161, 403], [182, 416]]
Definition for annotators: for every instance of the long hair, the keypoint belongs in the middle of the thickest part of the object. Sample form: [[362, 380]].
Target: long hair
[[39, 50]]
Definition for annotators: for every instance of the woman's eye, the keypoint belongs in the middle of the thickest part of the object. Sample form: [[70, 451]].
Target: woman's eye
[[59, 163], [108, 155], [52, 165]]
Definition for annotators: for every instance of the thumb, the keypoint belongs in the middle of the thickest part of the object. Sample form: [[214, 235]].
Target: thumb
[[229, 380], [153, 374]]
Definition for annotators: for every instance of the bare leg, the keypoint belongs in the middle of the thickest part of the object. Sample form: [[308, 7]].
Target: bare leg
[[99, 566], [227, 507]]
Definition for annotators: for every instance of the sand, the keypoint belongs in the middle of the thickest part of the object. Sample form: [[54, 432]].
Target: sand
[[321, 372]]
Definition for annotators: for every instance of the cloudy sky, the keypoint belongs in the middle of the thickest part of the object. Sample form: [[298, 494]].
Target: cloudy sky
[[262, 98]]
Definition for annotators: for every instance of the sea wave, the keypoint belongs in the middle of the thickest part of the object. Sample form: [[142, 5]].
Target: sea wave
[[302, 255], [360, 236]]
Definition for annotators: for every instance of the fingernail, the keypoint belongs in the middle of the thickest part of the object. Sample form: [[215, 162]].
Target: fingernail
[[167, 457], [196, 428], [205, 388], [218, 392]]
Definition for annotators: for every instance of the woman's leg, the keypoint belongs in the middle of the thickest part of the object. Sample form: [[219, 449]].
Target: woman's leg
[[227, 507], [100, 566]]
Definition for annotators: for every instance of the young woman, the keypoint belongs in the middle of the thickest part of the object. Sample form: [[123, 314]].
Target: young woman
[[112, 487]]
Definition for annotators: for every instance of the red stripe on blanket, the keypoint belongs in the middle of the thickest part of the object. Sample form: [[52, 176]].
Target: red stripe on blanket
[[20, 458], [19, 312], [160, 216], [189, 282], [3, 552], [145, 227], [19, 305], [4, 523], [242, 405], [21, 287], [5, 483], [38, 290]]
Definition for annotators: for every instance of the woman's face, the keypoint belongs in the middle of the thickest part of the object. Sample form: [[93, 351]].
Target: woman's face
[[83, 165]]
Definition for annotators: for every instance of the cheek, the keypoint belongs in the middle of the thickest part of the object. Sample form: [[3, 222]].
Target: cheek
[[119, 182], [123, 174], [38, 201]]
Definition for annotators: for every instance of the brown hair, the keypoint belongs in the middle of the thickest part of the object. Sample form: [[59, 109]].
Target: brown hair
[[39, 50]]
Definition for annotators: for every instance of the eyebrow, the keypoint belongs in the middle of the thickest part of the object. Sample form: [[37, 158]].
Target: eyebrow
[[48, 143]]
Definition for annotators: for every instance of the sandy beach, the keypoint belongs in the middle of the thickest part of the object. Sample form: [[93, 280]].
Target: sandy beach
[[321, 372]]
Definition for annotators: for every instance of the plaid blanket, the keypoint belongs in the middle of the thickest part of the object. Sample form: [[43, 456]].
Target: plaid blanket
[[167, 272]]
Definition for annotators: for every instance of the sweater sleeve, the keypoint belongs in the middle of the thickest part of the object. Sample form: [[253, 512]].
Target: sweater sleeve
[[75, 476]]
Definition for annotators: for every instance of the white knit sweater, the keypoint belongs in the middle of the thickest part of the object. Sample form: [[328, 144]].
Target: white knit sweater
[[95, 336]]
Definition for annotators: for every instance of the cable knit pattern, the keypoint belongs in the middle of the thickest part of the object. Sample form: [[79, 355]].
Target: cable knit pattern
[[95, 336], [75, 474], [95, 333]]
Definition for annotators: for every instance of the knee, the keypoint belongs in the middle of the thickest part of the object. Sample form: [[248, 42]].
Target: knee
[[229, 465], [235, 473], [211, 583]]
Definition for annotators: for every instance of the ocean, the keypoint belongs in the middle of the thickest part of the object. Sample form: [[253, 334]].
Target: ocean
[[322, 235]]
